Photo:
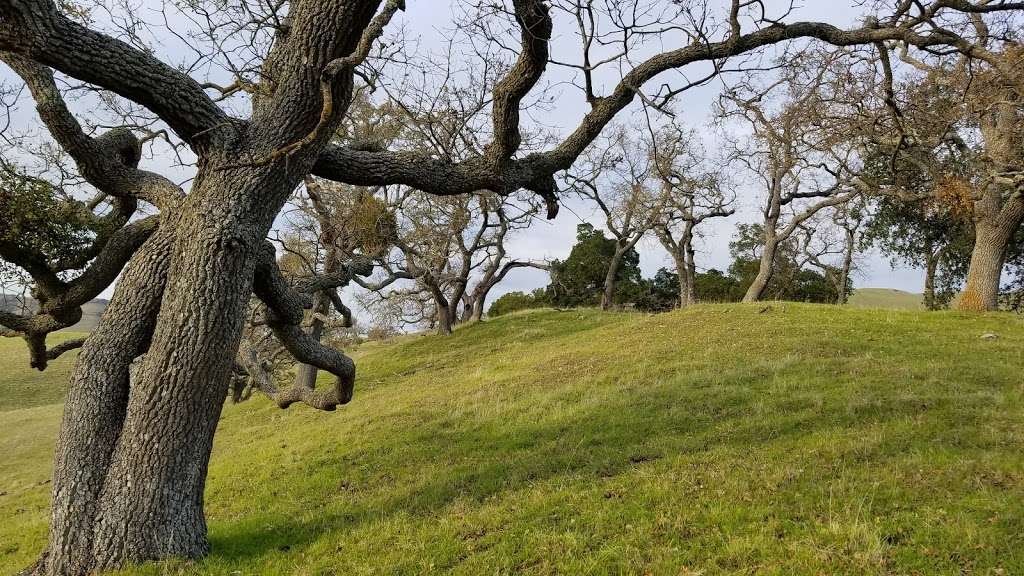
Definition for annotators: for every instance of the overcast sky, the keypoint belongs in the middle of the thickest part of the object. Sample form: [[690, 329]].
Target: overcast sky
[[426, 21]]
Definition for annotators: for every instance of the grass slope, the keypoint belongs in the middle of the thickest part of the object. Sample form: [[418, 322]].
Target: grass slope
[[715, 440], [886, 298], [91, 311], [24, 387]]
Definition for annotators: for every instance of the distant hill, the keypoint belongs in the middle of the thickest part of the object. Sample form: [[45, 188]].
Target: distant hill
[[91, 312], [886, 298]]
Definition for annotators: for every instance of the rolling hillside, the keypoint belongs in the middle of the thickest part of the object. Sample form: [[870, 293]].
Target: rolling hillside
[[717, 440], [886, 298], [91, 311]]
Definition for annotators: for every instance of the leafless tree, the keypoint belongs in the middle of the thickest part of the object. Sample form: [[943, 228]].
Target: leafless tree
[[693, 192], [795, 153], [850, 219], [829, 244], [260, 113], [455, 249]]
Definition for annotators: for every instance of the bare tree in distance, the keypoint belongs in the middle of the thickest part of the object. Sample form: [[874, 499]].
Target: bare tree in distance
[[797, 155], [259, 118], [830, 243], [694, 192], [455, 251], [851, 219]]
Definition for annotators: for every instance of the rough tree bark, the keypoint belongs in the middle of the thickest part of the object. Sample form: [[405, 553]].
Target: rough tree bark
[[765, 269], [129, 479], [995, 223], [611, 278], [446, 313]]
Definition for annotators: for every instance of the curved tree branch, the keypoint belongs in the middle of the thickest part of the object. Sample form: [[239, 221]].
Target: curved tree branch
[[535, 171], [284, 316], [109, 162], [36, 29]]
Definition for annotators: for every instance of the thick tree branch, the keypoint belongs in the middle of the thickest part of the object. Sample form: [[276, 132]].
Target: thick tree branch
[[37, 30], [109, 161], [329, 76], [535, 171], [535, 32], [60, 306], [284, 316]]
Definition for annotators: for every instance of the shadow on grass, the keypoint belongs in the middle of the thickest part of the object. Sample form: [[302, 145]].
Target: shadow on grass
[[602, 439]]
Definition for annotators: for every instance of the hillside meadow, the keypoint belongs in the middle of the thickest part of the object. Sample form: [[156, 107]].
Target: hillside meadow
[[772, 438], [885, 298]]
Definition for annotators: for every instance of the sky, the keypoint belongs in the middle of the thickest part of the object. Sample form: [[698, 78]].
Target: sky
[[426, 22]]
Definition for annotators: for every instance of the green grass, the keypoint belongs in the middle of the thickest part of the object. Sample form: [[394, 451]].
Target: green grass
[[716, 440], [886, 298], [24, 387]]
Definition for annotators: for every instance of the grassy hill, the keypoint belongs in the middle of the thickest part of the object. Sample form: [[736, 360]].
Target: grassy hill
[[886, 298], [91, 311], [25, 387], [716, 440]]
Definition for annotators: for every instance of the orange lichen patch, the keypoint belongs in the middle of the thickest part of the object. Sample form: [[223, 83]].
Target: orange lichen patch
[[971, 301], [956, 194]]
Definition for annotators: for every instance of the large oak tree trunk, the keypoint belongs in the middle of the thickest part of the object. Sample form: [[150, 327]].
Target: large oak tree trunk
[[995, 222], [764, 273], [131, 464], [444, 324], [610, 280], [681, 266], [152, 502], [95, 407], [982, 289]]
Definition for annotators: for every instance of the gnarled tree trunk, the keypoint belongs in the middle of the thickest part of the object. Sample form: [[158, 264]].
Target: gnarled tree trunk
[[764, 272], [611, 279], [995, 224], [131, 464], [95, 407], [144, 500]]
